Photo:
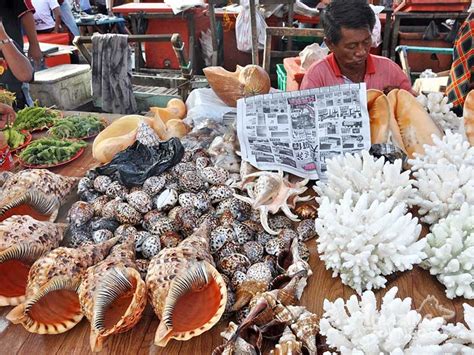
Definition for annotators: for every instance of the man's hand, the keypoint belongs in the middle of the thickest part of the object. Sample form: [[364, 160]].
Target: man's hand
[[34, 52], [7, 114]]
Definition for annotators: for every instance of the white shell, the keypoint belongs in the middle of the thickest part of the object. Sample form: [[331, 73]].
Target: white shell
[[166, 200]]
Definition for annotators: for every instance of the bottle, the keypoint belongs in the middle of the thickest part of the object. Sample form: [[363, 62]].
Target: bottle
[[6, 160]]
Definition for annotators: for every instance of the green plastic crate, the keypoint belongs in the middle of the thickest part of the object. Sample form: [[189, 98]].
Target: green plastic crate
[[281, 76]]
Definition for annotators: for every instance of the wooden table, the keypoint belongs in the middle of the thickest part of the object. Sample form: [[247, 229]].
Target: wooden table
[[417, 284]]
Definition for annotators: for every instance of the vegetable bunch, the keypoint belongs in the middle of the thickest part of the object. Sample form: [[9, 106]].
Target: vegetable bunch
[[7, 97], [76, 126], [13, 137], [48, 151], [35, 117]]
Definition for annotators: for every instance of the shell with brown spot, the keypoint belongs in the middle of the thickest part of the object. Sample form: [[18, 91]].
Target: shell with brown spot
[[112, 294], [52, 304], [37, 192], [180, 280], [22, 241]]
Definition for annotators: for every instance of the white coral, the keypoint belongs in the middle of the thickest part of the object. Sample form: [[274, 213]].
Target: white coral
[[444, 177], [365, 240], [358, 327], [461, 338], [450, 251], [362, 172], [440, 111]]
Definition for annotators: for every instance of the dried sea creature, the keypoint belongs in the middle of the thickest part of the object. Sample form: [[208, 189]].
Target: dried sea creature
[[364, 240], [248, 342], [40, 189], [460, 337], [112, 294], [360, 327], [271, 192], [361, 173], [444, 177], [23, 240], [450, 251], [440, 111], [180, 280], [52, 304], [287, 345]]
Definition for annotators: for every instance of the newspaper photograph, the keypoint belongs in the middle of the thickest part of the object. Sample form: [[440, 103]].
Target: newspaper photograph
[[298, 131]]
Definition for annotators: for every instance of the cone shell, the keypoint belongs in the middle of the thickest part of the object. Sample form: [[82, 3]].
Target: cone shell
[[180, 280], [39, 189], [379, 113], [416, 125], [468, 115], [52, 304], [22, 241], [112, 294]]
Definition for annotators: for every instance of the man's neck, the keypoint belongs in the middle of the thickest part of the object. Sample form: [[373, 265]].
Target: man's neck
[[356, 76]]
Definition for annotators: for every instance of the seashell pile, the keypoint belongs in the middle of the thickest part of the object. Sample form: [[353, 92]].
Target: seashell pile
[[450, 250], [360, 327], [364, 240], [444, 177]]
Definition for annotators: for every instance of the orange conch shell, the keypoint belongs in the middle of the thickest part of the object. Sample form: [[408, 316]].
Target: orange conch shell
[[394, 129], [41, 189], [379, 113], [180, 281], [112, 294], [231, 86], [416, 125], [22, 241], [52, 304], [469, 117]]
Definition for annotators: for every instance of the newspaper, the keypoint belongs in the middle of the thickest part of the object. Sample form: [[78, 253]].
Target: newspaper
[[298, 131]]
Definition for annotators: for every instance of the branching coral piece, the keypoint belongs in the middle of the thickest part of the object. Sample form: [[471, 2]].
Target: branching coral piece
[[444, 177], [363, 240], [440, 111], [358, 327], [461, 338], [450, 251], [364, 173]]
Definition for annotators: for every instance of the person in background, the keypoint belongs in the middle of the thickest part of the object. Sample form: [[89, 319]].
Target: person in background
[[15, 68], [67, 17], [29, 28], [348, 26], [45, 23], [461, 75], [85, 6]]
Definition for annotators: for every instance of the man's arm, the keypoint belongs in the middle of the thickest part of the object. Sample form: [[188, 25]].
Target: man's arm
[[34, 50], [57, 19], [18, 64]]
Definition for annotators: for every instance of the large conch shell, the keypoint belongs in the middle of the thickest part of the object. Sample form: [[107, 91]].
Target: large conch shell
[[379, 114], [175, 109], [112, 294], [39, 189], [468, 115], [22, 241], [186, 291], [394, 129], [416, 125], [230, 86], [52, 304]]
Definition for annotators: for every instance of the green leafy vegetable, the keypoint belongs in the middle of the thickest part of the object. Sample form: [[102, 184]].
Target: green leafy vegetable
[[78, 126], [48, 151]]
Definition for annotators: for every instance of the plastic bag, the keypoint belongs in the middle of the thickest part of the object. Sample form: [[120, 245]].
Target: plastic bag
[[312, 54], [138, 162], [377, 31], [204, 104], [302, 9], [243, 28]]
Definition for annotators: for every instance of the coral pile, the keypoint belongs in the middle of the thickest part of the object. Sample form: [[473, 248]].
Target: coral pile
[[444, 177], [440, 111], [450, 251], [461, 338]]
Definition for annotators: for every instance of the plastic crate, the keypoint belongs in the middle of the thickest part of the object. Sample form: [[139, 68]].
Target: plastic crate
[[281, 76]]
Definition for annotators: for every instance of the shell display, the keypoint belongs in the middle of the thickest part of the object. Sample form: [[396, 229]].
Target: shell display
[[361, 173], [101, 183], [363, 241], [140, 201], [287, 345], [115, 189], [125, 231], [150, 247], [108, 211], [102, 235], [4, 176], [112, 294], [80, 213], [393, 328], [449, 249], [166, 200], [180, 280], [444, 177], [248, 342], [218, 193], [154, 185], [22, 241], [99, 206], [190, 181], [104, 223], [306, 230], [53, 281], [40, 189], [126, 214]]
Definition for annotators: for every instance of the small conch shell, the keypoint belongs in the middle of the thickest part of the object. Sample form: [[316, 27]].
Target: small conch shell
[[287, 345], [52, 304], [306, 328], [39, 189], [248, 342], [113, 294], [22, 241], [180, 281]]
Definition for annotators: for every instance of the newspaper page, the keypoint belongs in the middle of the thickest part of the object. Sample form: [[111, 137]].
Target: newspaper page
[[298, 131]]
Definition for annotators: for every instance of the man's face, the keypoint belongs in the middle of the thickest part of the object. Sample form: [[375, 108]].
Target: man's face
[[353, 48]]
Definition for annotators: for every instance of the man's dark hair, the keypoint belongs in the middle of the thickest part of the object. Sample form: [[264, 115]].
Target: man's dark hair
[[354, 14]]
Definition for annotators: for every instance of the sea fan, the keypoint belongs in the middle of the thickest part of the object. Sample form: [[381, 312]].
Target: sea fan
[[363, 240], [461, 338], [444, 177], [358, 327], [450, 251], [362, 172]]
